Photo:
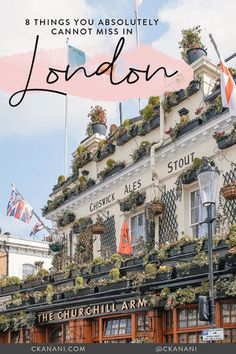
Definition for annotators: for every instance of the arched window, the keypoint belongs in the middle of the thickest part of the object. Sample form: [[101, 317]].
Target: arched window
[[27, 269]]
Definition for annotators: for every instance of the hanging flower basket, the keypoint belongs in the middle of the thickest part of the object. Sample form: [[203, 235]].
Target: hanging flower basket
[[158, 207], [98, 228], [229, 190]]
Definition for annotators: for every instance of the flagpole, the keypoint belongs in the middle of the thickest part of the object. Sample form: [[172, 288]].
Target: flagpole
[[33, 212], [214, 45], [66, 119], [137, 39]]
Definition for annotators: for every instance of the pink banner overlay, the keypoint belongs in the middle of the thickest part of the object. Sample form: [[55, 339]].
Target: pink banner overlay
[[122, 75]]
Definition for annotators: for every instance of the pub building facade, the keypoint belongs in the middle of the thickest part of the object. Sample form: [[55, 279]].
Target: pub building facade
[[122, 200]]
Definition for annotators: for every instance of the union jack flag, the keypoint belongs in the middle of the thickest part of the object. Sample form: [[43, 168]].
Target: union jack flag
[[37, 227], [18, 207]]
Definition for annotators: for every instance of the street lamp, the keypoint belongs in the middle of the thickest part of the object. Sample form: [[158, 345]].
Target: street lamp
[[208, 184]]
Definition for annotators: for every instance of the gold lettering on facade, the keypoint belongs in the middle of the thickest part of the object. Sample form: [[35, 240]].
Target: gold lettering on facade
[[142, 303], [124, 306], [74, 313], [96, 309], [88, 311], [81, 312]]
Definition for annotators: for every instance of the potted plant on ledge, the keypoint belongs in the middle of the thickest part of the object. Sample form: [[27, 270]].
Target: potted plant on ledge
[[125, 132], [98, 121], [111, 168], [225, 140], [132, 201], [191, 44], [105, 148], [142, 151]]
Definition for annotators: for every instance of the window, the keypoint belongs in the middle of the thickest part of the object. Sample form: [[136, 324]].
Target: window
[[191, 337], [117, 326], [189, 318], [197, 215], [144, 323], [27, 269], [229, 313], [138, 232]]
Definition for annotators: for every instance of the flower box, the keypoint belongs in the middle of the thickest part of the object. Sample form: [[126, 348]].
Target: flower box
[[196, 270], [230, 260], [144, 128], [194, 123], [191, 177], [88, 157], [127, 136], [210, 114], [10, 288], [69, 294], [114, 170], [57, 297], [174, 251], [124, 284], [160, 277], [133, 262], [225, 142], [101, 155], [75, 272], [60, 276], [193, 87], [154, 122], [189, 248], [181, 95], [102, 268], [153, 258], [85, 291], [140, 199], [125, 206], [31, 284], [221, 244]]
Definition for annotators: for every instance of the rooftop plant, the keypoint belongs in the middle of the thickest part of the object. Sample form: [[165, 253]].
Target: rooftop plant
[[191, 39]]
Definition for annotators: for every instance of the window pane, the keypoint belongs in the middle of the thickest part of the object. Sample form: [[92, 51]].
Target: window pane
[[182, 318], [192, 318], [123, 324], [225, 313], [107, 327], [115, 326]]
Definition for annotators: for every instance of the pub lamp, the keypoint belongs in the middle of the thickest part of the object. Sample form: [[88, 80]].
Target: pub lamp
[[208, 182]]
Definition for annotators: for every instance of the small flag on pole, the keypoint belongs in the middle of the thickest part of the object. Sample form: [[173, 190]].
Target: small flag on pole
[[18, 207], [228, 89], [37, 227], [76, 57]]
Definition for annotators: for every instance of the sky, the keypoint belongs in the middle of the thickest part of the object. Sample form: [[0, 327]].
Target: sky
[[32, 135]]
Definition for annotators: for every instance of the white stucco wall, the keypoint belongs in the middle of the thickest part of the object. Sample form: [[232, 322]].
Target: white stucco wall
[[22, 251]]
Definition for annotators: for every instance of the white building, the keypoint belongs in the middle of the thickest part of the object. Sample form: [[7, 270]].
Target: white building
[[19, 255]]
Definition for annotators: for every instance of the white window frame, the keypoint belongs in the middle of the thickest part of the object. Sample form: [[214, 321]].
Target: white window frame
[[133, 216], [192, 190], [27, 264]]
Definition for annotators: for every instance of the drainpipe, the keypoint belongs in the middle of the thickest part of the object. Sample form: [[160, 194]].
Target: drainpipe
[[152, 156], [159, 144]]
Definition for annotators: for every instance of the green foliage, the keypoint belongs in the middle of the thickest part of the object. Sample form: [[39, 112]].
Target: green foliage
[[110, 163], [79, 283], [49, 292], [61, 179], [98, 261], [191, 39], [150, 270], [114, 274]]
